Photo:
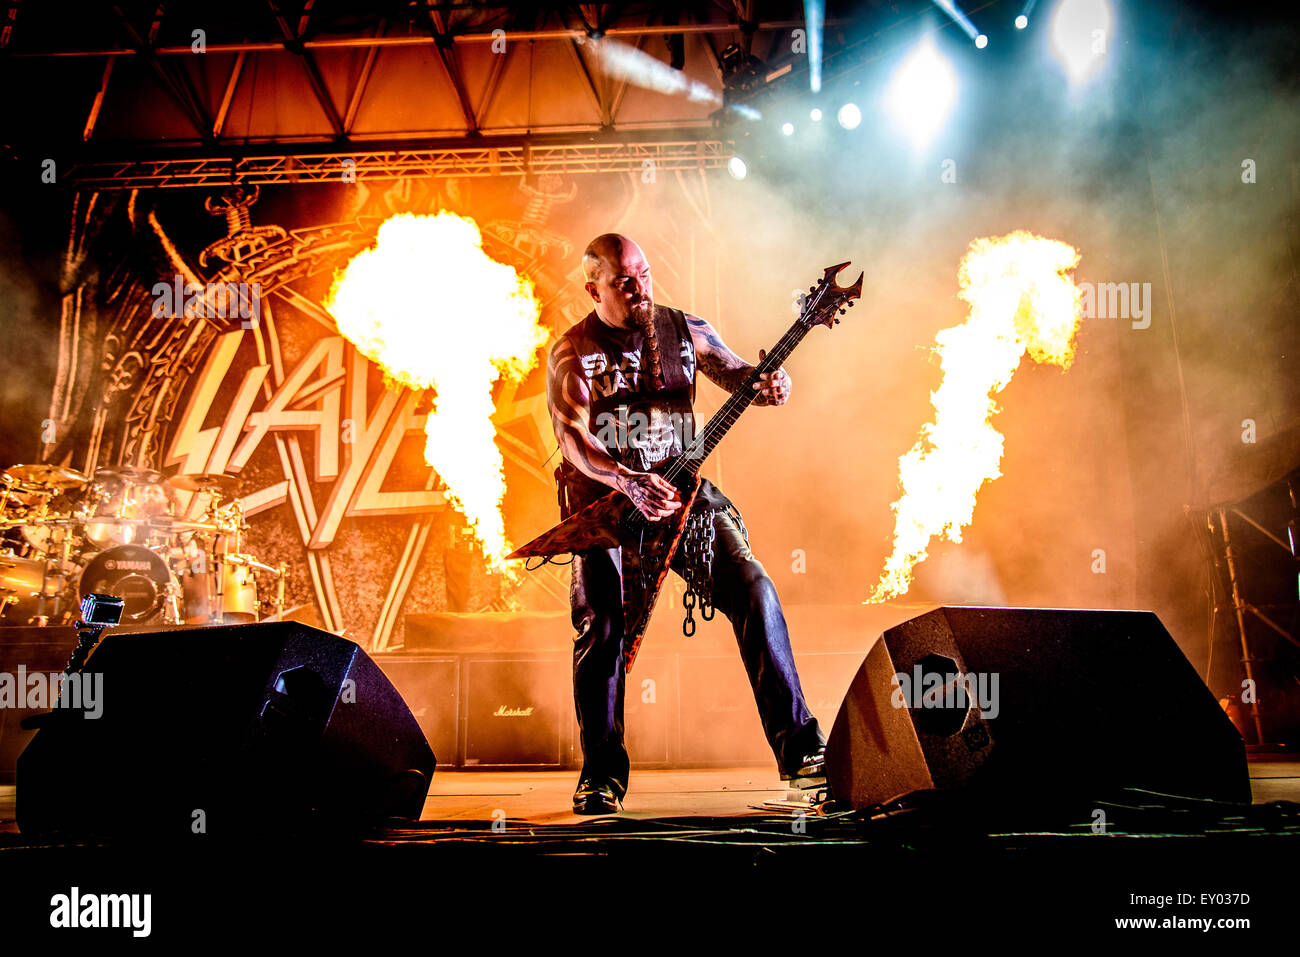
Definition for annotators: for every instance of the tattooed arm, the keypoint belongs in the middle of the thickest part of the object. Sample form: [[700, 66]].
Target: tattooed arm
[[729, 371], [569, 401]]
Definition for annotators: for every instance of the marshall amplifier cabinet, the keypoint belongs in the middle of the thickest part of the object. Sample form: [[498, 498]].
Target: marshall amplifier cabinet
[[649, 712], [719, 719], [649, 715], [825, 678], [516, 710], [430, 686]]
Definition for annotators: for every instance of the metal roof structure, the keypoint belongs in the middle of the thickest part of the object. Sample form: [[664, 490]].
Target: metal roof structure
[[155, 93]]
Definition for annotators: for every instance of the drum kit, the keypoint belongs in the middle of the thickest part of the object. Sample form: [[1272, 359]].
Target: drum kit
[[64, 535]]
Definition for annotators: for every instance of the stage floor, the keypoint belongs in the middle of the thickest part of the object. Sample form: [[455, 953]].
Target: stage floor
[[500, 852], [544, 797]]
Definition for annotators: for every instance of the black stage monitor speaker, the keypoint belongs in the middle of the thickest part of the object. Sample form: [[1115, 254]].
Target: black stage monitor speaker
[[1037, 703], [218, 729]]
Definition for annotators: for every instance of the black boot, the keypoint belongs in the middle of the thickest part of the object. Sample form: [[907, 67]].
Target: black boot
[[811, 772], [595, 797]]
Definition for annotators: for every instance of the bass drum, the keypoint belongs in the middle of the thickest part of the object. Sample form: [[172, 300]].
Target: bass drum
[[135, 575]]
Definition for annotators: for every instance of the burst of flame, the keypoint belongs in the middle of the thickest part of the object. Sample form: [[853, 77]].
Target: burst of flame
[[1021, 300], [434, 311]]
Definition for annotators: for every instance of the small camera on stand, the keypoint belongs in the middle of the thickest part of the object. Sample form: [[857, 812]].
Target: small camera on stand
[[97, 613], [102, 610]]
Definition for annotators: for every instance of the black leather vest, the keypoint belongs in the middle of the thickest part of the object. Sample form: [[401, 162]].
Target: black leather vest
[[640, 422], [632, 415]]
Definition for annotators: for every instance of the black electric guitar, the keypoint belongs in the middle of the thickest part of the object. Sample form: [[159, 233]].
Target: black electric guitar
[[613, 521]]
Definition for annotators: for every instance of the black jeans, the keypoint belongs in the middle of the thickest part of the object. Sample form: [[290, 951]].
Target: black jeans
[[744, 593]]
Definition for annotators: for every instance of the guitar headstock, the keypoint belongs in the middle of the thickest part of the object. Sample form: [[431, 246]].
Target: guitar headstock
[[828, 300]]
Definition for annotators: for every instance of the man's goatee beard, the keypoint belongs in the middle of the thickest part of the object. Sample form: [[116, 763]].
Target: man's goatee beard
[[642, 314]]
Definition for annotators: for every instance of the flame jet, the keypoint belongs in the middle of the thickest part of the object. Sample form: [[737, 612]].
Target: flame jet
[[1021, 300], [434, 311]]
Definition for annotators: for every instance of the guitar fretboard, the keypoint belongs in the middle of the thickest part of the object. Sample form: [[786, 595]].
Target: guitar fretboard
[[707, 439]]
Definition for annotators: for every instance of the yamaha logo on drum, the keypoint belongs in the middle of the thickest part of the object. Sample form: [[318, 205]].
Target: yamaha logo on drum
[[127, 566]]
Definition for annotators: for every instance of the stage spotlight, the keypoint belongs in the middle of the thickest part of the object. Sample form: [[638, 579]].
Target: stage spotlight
[[737, 168], [787, 129], [815, 115], [849, 116], [922, 92], [1080, 36], [963, 21], [1022, 20], [814, 16]]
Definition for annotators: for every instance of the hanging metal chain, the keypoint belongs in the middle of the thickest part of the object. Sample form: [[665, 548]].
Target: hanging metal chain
[[697, 552], [740, 522]]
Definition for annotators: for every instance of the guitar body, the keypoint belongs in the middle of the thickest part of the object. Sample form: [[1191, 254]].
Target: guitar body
[[647, 551], [599, 525]]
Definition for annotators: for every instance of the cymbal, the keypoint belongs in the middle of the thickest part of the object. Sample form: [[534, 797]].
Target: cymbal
[[217, 482], [45, 476], [133, 474]]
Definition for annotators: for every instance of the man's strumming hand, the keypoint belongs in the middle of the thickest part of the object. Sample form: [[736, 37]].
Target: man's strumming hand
[[653, 495]]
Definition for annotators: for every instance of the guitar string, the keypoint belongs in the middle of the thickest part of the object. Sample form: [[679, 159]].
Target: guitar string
[[730, 411], [737, 402]]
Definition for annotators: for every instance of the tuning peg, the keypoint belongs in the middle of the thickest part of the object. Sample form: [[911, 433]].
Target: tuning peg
[[812, 288], [851, 302]]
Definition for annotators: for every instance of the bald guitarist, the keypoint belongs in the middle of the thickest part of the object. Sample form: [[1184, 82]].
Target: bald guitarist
[[620, 388]]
